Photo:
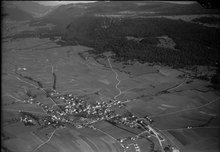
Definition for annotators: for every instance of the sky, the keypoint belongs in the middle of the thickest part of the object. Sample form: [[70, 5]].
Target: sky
[[54, 3]]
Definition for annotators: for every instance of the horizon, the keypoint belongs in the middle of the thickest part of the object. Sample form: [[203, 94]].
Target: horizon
[[56, 3]]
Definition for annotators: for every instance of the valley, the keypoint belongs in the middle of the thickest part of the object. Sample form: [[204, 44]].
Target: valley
[[134, 88]]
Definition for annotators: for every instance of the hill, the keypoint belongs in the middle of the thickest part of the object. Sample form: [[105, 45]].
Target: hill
[[32, 8], [195, 44], [65, 14], [13, 12], [140, 31]]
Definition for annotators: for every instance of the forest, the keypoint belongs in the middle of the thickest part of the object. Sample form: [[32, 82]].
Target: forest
[[212, 20], [195, 44]]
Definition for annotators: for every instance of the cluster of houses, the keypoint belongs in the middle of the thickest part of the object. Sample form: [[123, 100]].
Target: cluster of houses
[[76, 112], [70, 110]]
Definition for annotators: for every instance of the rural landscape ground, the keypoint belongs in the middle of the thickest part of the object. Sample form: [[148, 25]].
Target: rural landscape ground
[[65, 97]]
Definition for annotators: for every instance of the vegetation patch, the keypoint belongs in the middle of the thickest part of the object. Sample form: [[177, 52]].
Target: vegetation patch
[[209, 20], [197, 44]]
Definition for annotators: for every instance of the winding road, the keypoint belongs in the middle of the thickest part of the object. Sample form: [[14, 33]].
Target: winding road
[[156, 134], [116, 76]]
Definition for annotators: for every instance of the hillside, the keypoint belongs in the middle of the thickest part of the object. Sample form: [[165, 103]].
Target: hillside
[[195, 44], [140, 31], [32, 8], [146, 32], [65, 14], [13, 12]]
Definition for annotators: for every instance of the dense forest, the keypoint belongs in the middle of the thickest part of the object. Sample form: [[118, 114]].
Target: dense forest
[[195, 44], [211, 20]]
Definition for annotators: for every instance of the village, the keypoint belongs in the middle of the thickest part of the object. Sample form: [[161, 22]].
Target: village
[[76, 112]]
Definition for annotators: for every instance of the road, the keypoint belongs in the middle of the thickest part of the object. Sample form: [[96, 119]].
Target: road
[[37, 87], [45, 141], [175, 112], [148, 126], [25, 111], [190, 128], [156, 134], [116, 76], [178, 85], [111, 137]]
